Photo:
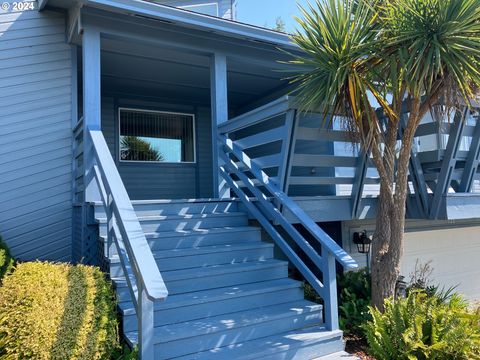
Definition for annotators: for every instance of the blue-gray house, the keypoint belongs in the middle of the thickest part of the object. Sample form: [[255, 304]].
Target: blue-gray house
[[157, 140]]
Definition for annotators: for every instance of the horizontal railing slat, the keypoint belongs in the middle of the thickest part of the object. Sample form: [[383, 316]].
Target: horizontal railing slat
[[260, 114], [262, 138], [318, 134], [427, 129], [309, 160], [325, 180], [268, 161]]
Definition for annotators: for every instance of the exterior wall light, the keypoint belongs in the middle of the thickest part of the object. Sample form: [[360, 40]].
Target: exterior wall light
[[363, 242]]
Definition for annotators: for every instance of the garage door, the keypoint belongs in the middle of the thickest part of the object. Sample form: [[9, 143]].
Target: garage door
[[454, 256]]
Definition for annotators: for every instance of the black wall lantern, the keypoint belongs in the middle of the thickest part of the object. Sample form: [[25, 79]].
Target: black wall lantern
[[363, 242]]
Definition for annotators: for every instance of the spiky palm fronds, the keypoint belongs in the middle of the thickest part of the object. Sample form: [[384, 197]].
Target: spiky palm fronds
[[137, 149]]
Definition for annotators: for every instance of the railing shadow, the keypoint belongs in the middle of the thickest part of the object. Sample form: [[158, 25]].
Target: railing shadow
[[86, 311], [73, 318]]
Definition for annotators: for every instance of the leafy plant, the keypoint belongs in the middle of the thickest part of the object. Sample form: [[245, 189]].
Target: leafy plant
[[420, 280], [57, 311], [354, 290], [424, 327], [6, 260], [310, 294], [135, 148], [125, 353]]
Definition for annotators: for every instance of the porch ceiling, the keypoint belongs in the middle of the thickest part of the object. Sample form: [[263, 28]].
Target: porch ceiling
[[140, 69], [144, 56]]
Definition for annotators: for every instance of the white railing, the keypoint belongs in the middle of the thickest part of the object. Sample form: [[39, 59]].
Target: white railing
[[143, 277]]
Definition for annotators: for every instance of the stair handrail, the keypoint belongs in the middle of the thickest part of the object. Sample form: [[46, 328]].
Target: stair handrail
[[143, 277], [266, 205], [319, 234]]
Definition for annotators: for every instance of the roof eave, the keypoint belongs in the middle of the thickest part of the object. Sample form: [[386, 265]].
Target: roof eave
[[190, 19]]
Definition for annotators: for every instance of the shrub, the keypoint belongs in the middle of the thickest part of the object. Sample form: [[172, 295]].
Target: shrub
[[310, 294], [354, 295], [354, 290], [424, 327], [57, 311], [125, 353], [6, 261]]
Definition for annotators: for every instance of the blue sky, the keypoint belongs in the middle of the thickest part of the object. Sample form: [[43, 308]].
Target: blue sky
[[265, 12]]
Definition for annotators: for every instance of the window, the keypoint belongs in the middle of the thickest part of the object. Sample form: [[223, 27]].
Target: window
[[155, 136], [207, 9]]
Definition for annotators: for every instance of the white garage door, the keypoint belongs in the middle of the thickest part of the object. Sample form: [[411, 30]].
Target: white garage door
[[454, 256]]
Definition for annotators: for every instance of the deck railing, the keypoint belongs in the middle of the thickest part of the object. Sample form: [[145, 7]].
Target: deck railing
[[237, 167], [306, 155], [142, 275]]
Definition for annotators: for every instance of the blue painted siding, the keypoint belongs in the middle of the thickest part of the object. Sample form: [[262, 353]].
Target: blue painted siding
[[35, 135], [162, 181]]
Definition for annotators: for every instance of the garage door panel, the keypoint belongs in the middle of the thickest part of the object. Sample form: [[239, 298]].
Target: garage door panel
[[454, 255]]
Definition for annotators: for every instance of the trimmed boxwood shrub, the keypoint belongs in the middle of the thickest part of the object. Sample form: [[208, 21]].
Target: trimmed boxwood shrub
[[57, 311], [6, 261]]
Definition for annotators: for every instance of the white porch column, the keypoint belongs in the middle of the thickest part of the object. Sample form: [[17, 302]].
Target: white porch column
[[91, 104], [219, 108]]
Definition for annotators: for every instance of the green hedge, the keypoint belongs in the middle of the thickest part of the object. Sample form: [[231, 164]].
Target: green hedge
[[6, 261], [57, 311]]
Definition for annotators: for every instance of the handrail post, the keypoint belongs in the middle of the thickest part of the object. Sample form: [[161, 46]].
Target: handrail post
[[110, 220], [330, 283], [145, 316]]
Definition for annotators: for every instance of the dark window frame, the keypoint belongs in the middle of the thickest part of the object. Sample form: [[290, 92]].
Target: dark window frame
[[153, 111]]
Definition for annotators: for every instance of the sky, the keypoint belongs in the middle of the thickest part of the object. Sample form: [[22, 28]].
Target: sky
[[265, 12]]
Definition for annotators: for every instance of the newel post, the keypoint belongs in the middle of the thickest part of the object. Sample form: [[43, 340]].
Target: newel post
[[91, 105], [219, 109], [145, 316], [330, 284]]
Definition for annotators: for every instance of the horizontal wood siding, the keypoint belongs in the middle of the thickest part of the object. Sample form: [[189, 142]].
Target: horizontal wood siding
[[157, 180], [35, 136]]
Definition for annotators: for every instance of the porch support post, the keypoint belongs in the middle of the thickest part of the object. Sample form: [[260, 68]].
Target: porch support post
[[91, 104], [219, 106]]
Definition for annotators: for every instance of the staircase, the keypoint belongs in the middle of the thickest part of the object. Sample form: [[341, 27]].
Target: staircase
[[229, 298]]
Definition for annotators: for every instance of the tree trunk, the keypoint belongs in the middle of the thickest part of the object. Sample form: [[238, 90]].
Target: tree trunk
[[383, 274], [387, 246]]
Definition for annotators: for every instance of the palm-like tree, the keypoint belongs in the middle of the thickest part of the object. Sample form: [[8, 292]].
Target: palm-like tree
[[396, 53], [137, 149]]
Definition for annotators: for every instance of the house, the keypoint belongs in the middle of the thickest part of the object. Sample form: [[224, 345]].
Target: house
[[157, 140]]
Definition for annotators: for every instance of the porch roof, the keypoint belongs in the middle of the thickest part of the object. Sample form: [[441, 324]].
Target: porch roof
[[181, 17]]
